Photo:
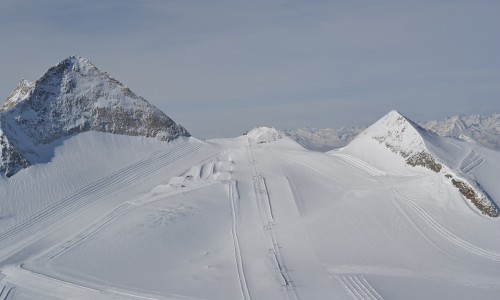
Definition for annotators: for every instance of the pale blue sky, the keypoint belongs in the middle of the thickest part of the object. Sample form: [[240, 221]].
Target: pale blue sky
[[221, 67]]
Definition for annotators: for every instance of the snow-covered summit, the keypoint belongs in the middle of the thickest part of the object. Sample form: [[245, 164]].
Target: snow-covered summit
[[398, 133], [20, 92], [261, 135], [73, 96], [395, 143]]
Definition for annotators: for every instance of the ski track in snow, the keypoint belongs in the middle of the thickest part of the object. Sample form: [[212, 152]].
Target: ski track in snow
[[471, 161], [267, 218], [7, 292], [360, 165], [358, 288], [51, 286], [232, 191], [53, 214], [84, 234], [449, 236]]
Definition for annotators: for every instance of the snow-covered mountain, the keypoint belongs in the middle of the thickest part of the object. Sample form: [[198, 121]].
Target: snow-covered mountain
[[127, 206], [414, 146], [324, 139], [23, 88], [73, 97], [481, 129], [390, 216]]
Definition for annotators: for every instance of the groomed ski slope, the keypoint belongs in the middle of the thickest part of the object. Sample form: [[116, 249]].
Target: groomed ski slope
[[236, 219]]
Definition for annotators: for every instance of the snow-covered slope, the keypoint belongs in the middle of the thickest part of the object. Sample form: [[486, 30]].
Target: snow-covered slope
[[395, 142], [72, 97], [253, 217]]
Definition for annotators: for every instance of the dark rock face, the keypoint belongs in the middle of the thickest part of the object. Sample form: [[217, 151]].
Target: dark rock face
[[72, 97], [12, 160], [408, 140], [425, 160], [484, 206]]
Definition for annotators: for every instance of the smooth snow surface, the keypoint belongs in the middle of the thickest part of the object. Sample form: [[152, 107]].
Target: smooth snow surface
[[118, 217]]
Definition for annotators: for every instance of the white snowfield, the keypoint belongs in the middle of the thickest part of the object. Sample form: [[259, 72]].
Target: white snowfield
[[253, 217]]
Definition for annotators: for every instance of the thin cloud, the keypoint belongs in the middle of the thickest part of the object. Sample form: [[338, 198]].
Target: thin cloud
[[287, 63]]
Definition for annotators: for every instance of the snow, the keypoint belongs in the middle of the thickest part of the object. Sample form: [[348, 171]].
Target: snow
[[154, 214], [481, 129], [20, 92], [73, 97], [260, 135], [324, 139], [238, 219]]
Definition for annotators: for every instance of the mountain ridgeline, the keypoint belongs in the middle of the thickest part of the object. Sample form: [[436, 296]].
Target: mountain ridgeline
[[479, 129], [73, 97], [414, 146]]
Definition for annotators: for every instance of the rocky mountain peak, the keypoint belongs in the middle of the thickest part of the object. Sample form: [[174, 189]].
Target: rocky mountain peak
[[71, 97]]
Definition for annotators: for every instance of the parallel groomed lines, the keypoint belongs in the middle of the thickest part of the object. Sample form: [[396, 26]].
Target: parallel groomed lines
[[84, 234], [267, 219], [359, 288], [361, 165], [451, 237], [99, 189]]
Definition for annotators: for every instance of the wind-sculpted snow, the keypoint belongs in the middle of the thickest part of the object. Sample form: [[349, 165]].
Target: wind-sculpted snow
[[72, 97], [261, 135]]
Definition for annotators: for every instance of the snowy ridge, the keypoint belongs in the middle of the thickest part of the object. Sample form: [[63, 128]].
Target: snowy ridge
[[417, 147], [481, 129], [397, 133], [20, 92], [72, 97], [484, 130]]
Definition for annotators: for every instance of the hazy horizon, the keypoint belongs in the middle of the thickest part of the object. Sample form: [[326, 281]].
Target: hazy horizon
[[224, 67]]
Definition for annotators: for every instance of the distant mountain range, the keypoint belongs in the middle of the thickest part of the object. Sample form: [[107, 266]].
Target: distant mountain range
[[480, 129]]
